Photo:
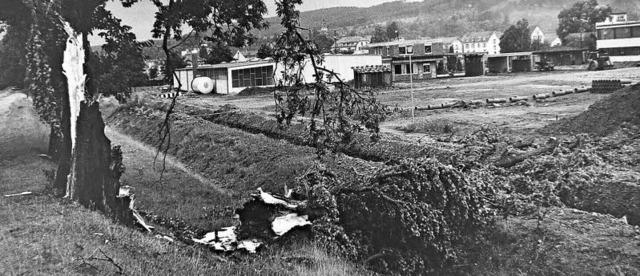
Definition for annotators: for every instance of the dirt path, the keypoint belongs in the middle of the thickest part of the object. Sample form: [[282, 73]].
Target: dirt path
[[21, 130]]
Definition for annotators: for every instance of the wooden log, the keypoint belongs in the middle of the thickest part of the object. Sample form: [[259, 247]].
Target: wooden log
[[581, 90], [540, 96], [561, 93], [518, 98], [497, 100], [510, 161]]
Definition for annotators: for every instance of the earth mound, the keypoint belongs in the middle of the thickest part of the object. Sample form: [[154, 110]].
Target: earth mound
[[605, 116]]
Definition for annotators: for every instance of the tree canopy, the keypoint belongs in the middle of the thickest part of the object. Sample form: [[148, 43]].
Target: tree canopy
[[379, 35], [581, 17], [221, 21], [516, 38], [393, 32]]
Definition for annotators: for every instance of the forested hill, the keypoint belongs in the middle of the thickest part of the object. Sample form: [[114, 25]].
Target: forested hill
[[432, 18]]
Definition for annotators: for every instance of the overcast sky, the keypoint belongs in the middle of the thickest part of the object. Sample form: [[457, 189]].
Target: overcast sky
[[140, 16]]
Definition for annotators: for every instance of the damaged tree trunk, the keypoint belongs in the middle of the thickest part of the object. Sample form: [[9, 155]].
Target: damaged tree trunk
[[93, 168]]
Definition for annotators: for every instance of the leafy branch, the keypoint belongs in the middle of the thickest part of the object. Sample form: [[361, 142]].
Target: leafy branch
[[336, 111]]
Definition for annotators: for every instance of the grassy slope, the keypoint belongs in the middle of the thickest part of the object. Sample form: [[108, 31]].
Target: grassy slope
[[39, 235]]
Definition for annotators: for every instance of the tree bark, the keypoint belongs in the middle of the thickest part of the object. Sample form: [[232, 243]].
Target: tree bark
[[54, 141], [168, 70], [96, 167], [93, 168]]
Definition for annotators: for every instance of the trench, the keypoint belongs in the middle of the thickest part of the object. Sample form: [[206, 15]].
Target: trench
[[614, 198]]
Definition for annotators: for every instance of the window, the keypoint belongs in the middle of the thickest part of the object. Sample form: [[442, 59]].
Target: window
[[397, 69], [257, 76], [622, 32], [427, 49], [426, 68], [484, 45], [407, 69], [626, 51], [635, 31], [605, 34], [405, 50]]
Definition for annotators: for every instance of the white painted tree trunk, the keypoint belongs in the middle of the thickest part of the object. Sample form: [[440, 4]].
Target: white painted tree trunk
[[73, 69]]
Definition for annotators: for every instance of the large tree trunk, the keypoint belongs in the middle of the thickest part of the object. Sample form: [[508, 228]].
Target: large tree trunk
[[96, 168], [91, 168]]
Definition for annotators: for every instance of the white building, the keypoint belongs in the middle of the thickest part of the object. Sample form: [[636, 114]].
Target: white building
[[481, 42], [233, 77], [537, 35], [451, 44], [554, 41], [352, 44], [619, 37]]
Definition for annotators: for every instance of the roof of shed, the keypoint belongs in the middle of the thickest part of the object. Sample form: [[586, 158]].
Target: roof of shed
[[371, 69], [233, 64]]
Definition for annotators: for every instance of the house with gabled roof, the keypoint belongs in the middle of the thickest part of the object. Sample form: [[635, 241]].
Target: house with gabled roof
[[481, 42], [536, 34], [351, 44]]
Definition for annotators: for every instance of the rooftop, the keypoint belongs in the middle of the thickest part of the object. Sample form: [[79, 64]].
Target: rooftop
[[371, 69], [233, 64], [478, 36], [352, 39], [425, 41]]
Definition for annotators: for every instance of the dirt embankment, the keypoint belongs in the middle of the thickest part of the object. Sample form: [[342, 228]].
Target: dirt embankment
[[605, 116]]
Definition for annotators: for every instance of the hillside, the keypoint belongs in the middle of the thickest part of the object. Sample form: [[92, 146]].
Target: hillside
[[432, 18]]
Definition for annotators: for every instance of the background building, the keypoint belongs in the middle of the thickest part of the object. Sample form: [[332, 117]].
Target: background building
[[481, 42], [619, 37]]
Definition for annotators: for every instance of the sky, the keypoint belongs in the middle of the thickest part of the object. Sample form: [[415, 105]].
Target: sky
[[140, 17]]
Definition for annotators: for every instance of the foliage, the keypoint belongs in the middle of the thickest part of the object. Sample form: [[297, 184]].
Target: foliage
[[516, 38], [393, 32], [581, 17], [379, 35], [12, 57], [153, 72], [116, 74], [43, 69], [224, 22], [335, 114], [120, 65], [403, 220], [323, 42], [265, 51], [219, 53], [203, 52]]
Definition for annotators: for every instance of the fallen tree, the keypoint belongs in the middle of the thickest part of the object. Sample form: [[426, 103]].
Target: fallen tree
[[405, 219]]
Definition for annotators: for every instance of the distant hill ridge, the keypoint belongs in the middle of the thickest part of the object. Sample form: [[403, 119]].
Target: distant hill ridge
[[432, 18]]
